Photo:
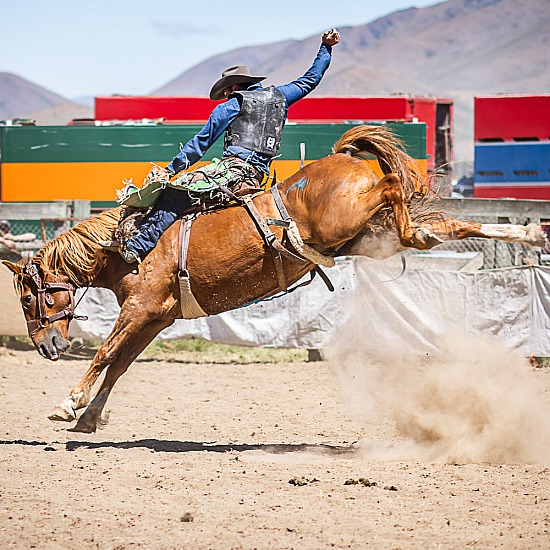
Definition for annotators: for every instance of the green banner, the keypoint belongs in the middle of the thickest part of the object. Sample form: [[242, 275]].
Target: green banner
[[27, 144]]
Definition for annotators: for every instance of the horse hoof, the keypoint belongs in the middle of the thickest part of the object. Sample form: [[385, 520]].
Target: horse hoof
[[82, 428], [86, 424], [62, 414], [536, 235], [425, 238]]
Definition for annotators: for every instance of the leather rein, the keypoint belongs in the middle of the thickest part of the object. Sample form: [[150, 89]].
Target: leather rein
[[45, 299]]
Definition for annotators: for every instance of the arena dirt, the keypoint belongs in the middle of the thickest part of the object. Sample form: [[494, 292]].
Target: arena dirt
[[360, 451]]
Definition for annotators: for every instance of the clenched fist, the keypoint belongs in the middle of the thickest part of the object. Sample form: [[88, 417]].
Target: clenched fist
[[331, 37]]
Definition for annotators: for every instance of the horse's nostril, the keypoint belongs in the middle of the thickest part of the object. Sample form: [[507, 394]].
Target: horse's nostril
[[43, 350], [59, 344]]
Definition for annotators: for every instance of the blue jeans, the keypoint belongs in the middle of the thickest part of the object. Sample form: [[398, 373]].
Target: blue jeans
[[166, 211]]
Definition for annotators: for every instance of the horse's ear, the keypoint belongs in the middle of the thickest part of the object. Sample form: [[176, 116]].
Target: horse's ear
[[15, 268]]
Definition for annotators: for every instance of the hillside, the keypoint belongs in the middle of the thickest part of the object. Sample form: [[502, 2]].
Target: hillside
[[456, 49], [19, 96], [60, 114], [23, 99]]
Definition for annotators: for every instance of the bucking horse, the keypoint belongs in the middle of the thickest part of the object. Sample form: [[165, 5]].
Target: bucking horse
[[335, 206]]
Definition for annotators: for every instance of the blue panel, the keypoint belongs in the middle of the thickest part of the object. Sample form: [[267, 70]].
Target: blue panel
[[526, 162]]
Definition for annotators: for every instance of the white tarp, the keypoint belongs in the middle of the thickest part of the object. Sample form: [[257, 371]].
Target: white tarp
[[416, 309]]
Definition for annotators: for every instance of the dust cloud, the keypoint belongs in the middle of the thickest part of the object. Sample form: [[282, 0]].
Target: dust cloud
[[472, 401]]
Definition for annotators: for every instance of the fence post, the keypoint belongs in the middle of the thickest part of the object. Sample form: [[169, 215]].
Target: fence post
[[62, 225], [314, 355], [81, 209]]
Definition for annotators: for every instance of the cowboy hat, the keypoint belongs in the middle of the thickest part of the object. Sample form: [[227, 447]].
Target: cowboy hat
[[234, 75]]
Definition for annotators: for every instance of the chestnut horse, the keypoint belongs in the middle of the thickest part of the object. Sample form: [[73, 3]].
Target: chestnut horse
[[339, 206]]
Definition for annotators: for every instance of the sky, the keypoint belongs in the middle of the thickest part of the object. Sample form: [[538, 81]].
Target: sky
[[80, 48]]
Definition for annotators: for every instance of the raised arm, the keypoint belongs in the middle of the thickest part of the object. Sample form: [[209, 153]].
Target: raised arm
[[299, 88]]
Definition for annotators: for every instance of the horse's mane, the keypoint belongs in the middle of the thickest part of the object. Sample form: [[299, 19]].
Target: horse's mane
[[77, 254], [389, 150]]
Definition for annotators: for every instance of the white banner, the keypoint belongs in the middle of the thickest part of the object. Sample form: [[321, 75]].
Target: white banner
[[415, 309]]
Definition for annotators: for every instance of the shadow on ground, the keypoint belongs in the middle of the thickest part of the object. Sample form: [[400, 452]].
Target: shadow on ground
[[167, 446]]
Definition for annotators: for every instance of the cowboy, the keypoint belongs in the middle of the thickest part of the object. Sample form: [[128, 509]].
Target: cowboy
[[252, 119]]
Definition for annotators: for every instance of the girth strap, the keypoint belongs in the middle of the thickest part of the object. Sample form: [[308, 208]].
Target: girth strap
[[190, 308], [185, 232]]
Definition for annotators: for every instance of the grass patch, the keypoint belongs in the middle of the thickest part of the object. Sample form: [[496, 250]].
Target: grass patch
[[202, 351], [183, 351]]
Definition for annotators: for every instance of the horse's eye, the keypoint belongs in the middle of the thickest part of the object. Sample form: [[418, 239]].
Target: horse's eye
[[27, 299]]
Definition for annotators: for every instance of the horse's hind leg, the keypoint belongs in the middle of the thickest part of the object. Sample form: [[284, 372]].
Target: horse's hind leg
[[451, 229], [410, 236]]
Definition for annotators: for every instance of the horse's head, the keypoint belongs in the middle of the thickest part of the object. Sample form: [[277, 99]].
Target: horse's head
[[48, 306]]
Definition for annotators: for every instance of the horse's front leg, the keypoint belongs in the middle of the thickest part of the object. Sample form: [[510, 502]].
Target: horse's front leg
[[79, 397], [130, 344]]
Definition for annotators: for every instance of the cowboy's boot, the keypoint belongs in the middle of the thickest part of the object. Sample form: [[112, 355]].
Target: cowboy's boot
[[128, 256]]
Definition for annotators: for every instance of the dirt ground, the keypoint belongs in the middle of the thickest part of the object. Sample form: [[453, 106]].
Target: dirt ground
[[253, 456]]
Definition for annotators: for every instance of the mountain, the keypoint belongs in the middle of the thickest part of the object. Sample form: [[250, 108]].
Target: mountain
[[19, 96], [23, 99], [198, 80], [456, 49]]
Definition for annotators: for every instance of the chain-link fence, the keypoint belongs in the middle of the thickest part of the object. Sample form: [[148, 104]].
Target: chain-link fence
[[490, 254], [44, 230], [26, 237], [26, 227]]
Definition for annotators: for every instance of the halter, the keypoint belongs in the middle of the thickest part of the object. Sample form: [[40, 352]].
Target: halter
[[45, 291]]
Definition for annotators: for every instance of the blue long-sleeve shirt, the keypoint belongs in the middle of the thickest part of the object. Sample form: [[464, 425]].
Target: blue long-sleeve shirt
[[225, 113]]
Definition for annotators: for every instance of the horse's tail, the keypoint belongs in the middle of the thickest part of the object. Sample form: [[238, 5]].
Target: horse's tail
[[388, 149]]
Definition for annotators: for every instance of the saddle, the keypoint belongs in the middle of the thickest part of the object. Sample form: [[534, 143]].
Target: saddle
[[206, 199]]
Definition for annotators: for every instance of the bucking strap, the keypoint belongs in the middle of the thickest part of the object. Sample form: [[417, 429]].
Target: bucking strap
[[292, 231]]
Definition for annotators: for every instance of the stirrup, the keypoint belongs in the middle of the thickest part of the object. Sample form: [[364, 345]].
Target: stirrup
[[111, 246], [130, 257]]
